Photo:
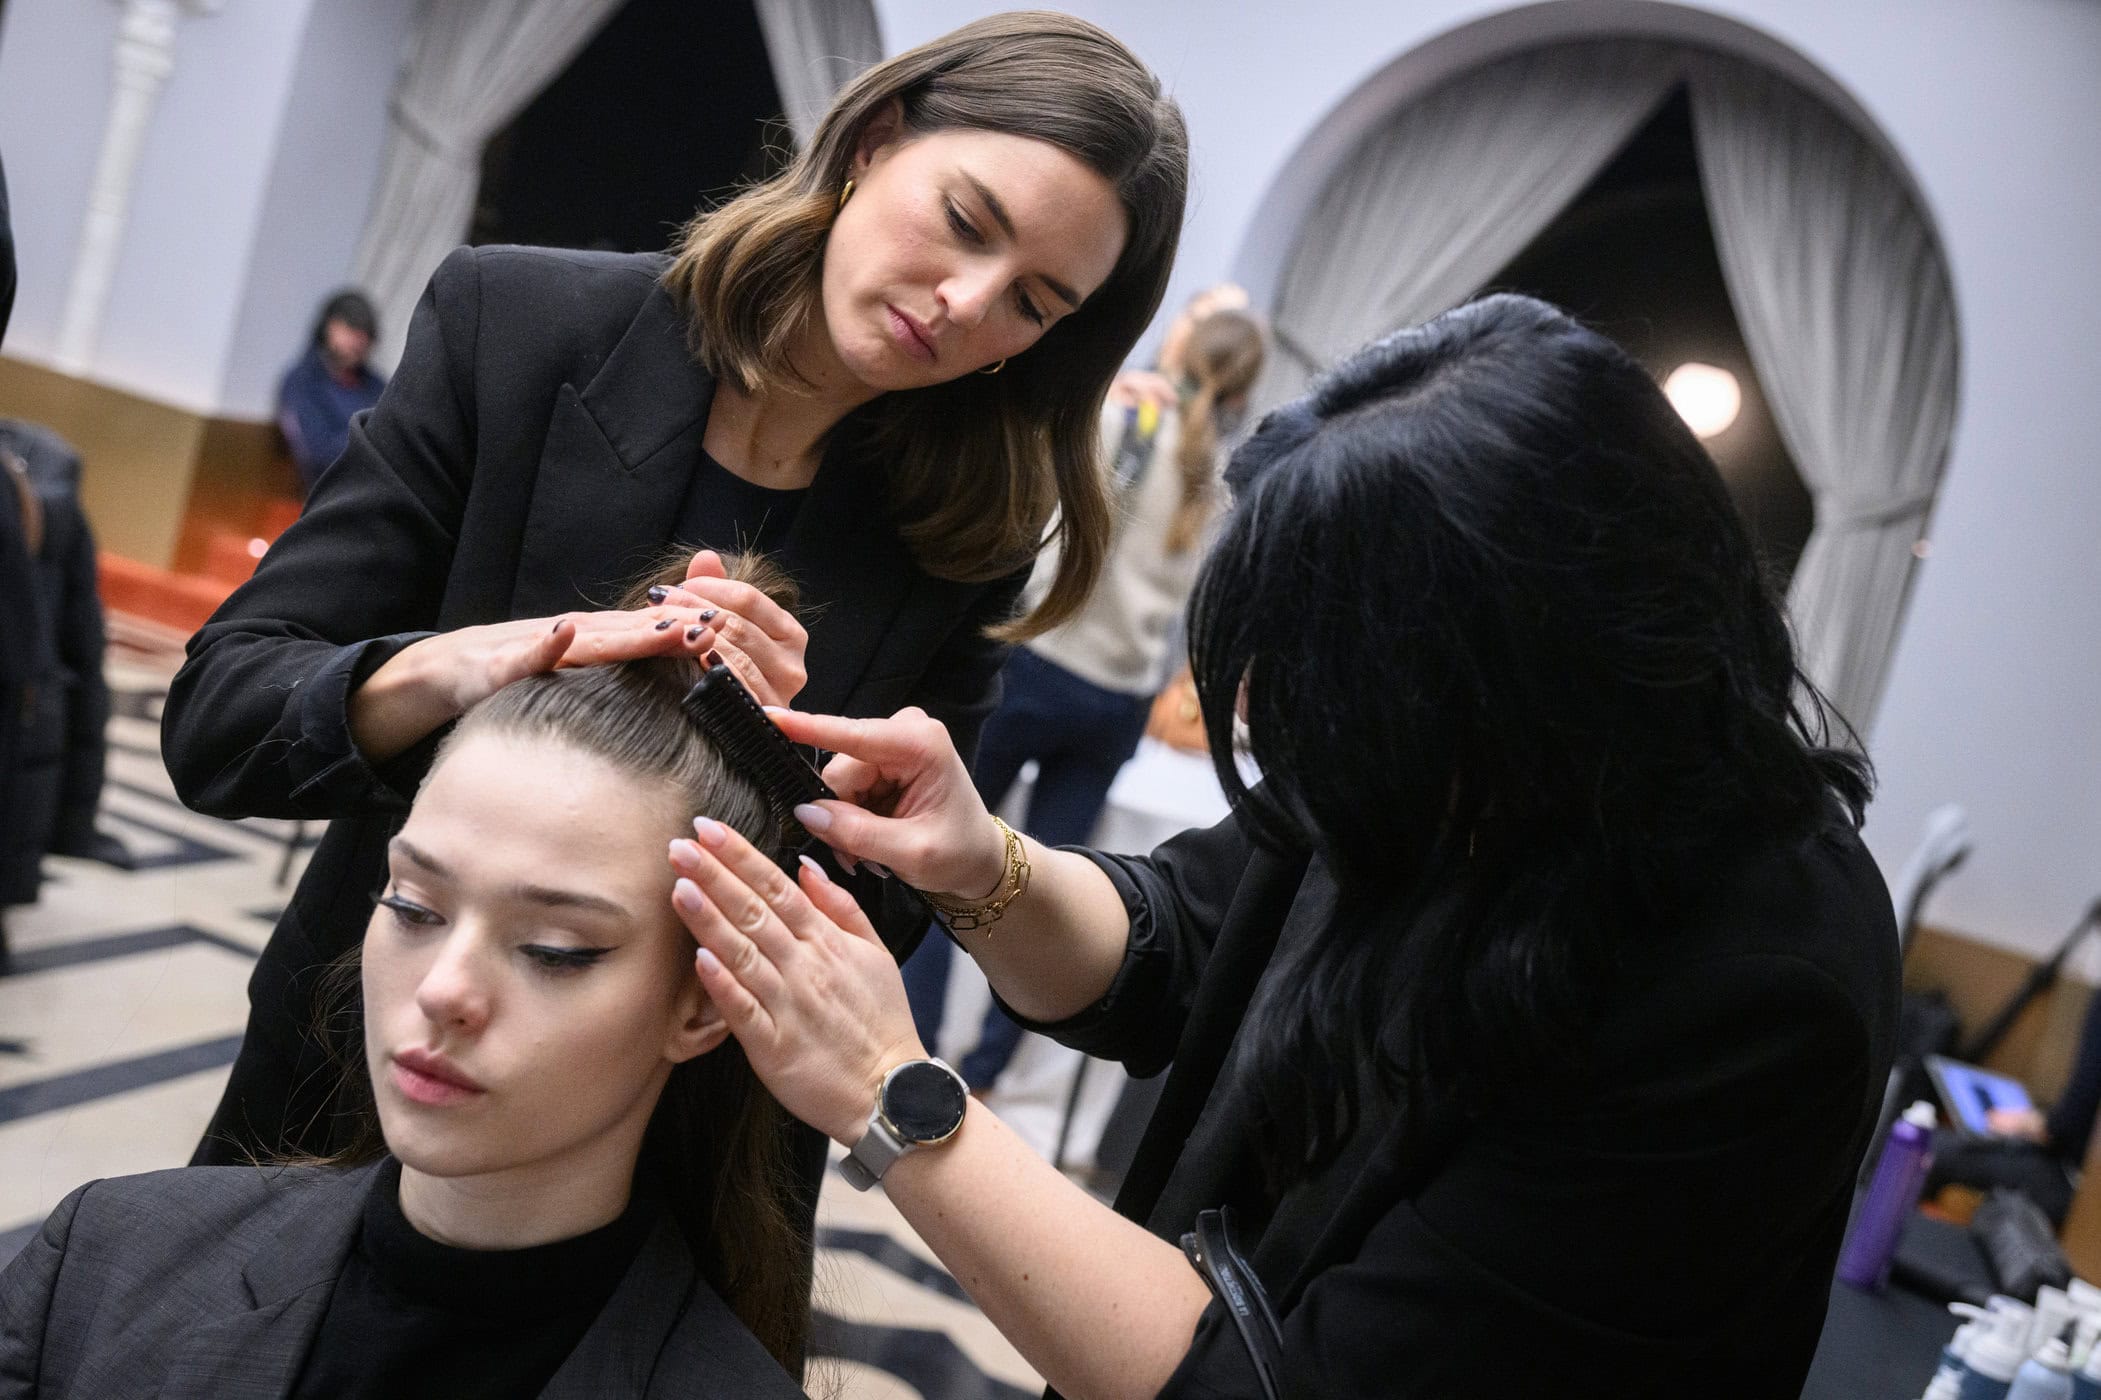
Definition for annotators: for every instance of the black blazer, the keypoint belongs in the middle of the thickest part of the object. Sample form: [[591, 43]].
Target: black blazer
[[531, 455], [209, 1283], [1666, 1228]]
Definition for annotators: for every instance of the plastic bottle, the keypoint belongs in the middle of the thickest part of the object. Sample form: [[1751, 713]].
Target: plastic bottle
[[2054, 1314], [2086, 1381], [1995, 1355], [2047, 1375], [1892, 1196]]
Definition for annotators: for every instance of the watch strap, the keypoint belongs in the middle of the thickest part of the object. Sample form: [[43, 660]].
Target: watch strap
[[874, 1154]]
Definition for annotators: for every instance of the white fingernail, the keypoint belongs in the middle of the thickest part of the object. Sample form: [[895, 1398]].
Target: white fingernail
[[813, 817], [814, 868]]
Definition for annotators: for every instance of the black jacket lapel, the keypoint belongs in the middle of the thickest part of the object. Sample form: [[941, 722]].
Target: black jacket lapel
[[618, 458], [664, 1332], [256, 1354]]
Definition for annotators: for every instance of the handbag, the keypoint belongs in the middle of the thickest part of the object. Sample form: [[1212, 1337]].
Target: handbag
[[1211, 1249]]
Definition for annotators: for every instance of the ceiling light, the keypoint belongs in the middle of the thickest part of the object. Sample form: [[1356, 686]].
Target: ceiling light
[[1707, 398]]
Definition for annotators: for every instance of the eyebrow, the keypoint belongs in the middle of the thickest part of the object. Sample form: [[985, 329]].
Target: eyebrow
[[999, 216], [543, 895]]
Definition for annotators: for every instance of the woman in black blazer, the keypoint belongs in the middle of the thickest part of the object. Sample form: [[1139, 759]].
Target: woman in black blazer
[[1530, 1016], [881, 367], [563, 1182]]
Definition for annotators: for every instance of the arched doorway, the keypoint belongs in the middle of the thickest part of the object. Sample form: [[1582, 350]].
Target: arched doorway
[[1423, 189], [671, 106]]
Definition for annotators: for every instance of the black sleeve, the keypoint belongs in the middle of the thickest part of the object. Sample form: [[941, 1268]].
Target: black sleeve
[[27, 1286], [81, 643], [257, 720], [1694, 1188], [7, 259], [2071, 1120], [1177, 899]]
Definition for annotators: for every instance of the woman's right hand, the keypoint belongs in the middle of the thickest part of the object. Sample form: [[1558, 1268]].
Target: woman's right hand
[[905, 801]]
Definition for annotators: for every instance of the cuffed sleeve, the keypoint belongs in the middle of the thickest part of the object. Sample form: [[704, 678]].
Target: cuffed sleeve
[[1177, 899]]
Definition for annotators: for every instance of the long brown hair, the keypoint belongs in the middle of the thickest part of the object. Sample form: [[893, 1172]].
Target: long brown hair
[[1222, 359], [717, 1144], [976, 465]]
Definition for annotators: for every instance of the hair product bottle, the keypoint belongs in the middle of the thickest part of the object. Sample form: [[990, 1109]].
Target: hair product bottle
[[1891, 1197]]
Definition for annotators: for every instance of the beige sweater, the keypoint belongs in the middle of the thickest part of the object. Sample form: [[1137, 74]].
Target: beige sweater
[[1119, 640]]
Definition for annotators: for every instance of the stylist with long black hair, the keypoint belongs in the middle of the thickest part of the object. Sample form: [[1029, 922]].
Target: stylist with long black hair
[[1531, 1013], [882, 368]]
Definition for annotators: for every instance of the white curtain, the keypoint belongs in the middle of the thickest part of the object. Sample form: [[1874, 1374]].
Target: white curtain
[[816, 47], [472, 66], [1451, 188], [1839, 285]]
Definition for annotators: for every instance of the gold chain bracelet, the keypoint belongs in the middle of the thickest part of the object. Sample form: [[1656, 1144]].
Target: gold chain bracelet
[[969, 917]]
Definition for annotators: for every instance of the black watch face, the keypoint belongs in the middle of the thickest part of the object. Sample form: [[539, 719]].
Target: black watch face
[[924, 1102]]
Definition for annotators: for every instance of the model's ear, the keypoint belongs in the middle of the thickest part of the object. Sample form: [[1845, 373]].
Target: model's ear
[[881, 134], [696, 1028]]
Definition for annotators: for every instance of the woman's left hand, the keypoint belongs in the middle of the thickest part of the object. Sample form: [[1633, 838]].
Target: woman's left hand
[[799, 976], [758, 639]]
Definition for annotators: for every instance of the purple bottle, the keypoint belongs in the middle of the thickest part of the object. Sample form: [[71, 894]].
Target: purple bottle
[[1892, 1196]]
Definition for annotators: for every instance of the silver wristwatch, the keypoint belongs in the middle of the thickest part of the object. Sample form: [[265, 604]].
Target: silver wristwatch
[[920, 1104]]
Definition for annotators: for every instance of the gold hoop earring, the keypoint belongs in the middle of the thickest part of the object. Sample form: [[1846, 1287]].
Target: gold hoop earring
[[994, 369], [846, 194]]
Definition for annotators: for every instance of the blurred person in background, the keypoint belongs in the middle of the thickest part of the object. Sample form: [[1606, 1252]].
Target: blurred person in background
[[1076, 698], [55, 788], [331, 382]]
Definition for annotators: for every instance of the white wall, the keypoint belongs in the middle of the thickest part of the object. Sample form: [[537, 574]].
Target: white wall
[[318, 191], [1995, 695], [249, 195]]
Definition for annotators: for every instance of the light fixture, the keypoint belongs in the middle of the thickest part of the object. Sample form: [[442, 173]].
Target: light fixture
[[258, 547], [1707, 398]]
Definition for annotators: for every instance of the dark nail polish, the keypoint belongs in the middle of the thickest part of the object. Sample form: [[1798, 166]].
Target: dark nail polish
[[664, 625], [556, 628], [714, 658], [693, 634], [658, 593], [707, 614]]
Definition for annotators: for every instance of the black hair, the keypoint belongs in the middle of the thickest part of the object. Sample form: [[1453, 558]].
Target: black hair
[[350, 306], [1513, 670]]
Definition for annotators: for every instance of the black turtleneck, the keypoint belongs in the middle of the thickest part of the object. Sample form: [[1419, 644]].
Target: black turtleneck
[[411, 1318]]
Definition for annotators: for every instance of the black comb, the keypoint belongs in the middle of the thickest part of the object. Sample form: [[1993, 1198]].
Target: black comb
[[721, 708]]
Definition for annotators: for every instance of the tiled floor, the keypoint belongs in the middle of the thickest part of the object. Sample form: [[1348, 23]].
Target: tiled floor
[[125, 1005]]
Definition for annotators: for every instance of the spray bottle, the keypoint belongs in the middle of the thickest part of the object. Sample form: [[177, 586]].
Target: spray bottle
[[2047, 1375], [1995, 1354], [1892, 1195]]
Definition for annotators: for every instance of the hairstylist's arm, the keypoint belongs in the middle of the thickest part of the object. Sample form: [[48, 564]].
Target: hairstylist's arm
[[439, 678], [906, 802], [1098, 1305]]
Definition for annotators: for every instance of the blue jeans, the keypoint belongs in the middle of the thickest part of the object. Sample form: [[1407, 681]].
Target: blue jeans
[[1079, 736]]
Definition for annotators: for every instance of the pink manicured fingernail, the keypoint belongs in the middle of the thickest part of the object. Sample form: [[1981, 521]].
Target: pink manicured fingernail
[[813, 817], [706, 961], [684, 852], [686, 895], [710, 831], [774, 709], [814, 868]]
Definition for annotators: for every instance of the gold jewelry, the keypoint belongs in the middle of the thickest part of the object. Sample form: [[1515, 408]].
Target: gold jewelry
[[966, 917], [995, 369], [846, 194]]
